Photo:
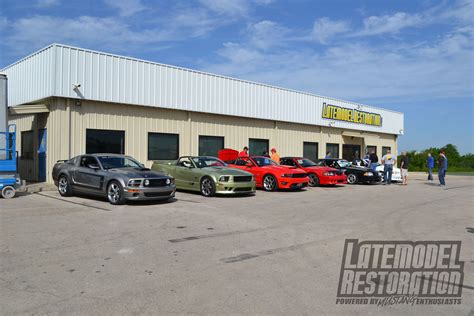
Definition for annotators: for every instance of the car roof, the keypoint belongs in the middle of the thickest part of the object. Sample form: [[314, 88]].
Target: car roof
[[105, 154]]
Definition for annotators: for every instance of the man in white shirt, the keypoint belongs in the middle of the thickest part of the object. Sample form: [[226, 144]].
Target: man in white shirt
[[388, 160]]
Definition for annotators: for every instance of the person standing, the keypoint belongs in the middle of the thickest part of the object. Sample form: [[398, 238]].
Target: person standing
[[430, 165], [374, 160], [388, 161], [275, 157], [405, 161], [244, 153], [442, 167]]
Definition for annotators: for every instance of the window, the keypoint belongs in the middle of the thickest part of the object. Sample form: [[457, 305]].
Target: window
[[105, 141], [163, 146], [371, 149], [210, 145], [333, 149], [258, 147], [27, 145], [310, 151], [287, 162], [88, 162], [385, 149]]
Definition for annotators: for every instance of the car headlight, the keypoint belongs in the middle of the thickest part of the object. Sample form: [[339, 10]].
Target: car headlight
[[368, 174], [329, 173], [134, 183], [224, 179]]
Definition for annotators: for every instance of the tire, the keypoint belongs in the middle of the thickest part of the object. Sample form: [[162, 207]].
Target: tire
[[351, 178], [269, 183], [313, 180], [64, 187], [115, 193], [8, 192], [208, 187]]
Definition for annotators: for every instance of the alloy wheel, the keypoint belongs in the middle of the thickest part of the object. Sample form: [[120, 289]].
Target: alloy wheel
[[113, 193], [351, 178], [269, 183], [63, 185], [206, 187]]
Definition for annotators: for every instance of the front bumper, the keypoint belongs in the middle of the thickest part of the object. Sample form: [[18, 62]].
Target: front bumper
[[142, 194], [235, 188], [332, 180], [370, 179], [293, 183]]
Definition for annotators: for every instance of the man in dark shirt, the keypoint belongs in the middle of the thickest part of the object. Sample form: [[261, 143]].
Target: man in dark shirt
[[374, 160], [442, 167], [404, 162]]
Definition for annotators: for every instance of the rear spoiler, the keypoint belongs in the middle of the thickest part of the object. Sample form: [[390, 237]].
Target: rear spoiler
[[64, 160]]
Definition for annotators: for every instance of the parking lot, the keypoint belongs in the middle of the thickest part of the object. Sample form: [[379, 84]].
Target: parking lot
[[272, 253]]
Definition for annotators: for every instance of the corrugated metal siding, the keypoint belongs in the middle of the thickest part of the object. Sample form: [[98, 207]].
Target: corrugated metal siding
[[110, 78], [138, 121]]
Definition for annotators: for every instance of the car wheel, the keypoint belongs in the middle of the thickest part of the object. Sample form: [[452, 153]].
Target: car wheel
[[115, 193], [270, 183], [64, 188], [208, 187], [351, 178], [8, 192], [313, 180]]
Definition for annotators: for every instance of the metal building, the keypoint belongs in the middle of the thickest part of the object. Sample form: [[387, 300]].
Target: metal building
[[67, 101]]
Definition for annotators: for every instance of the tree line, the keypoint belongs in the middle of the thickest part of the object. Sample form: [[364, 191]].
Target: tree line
[[456, 161]]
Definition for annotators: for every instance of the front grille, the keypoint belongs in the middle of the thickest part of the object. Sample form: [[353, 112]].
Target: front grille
[[157, 183], [242, 189], [242, 178], [156, 194], [299, 175]]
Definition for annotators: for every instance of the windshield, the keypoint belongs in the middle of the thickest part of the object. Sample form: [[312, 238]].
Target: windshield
[[202, 162], [264, 161], [306, 163], [113, 162], [344, 163]]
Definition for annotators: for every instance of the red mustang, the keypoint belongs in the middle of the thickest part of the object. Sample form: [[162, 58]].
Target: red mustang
[[268, 174], [318, 175]]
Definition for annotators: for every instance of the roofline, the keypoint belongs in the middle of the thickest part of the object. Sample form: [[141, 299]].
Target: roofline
[[195, 71]]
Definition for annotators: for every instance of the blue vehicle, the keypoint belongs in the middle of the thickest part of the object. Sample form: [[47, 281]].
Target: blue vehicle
[[10, 181]]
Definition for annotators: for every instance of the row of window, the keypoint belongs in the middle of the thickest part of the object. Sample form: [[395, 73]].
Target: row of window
[[165, 146]]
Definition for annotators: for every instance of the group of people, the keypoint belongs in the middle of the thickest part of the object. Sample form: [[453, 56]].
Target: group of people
[[274, 155], [388, 161]]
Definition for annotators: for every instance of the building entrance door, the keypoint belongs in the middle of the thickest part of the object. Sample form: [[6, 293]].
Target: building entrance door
[[350, 152]]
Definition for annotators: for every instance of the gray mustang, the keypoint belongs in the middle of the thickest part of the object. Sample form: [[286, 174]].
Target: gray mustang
[[118, 177]]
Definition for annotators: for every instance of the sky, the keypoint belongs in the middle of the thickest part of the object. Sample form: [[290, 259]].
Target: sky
[[415, 57]]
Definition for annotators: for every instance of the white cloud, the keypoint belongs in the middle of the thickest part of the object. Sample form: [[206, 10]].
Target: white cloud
[[47, 3], [325, 28], [126, 7], [267, 34], [375, 25], [228, 7]]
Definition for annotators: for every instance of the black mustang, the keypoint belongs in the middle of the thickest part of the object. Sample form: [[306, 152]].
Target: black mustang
[[355, 174]]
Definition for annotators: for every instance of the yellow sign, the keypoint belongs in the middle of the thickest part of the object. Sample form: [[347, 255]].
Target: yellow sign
[[334, 112]]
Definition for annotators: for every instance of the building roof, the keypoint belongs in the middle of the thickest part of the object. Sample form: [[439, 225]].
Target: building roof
[[70, 72]]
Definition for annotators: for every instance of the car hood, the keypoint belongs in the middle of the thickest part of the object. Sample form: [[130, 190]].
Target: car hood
[[287, 169], [137, 173], [357, 168], [226, 171], [321, 168]]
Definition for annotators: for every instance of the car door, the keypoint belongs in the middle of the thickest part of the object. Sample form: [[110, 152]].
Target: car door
[[184, 173], [88, 174]]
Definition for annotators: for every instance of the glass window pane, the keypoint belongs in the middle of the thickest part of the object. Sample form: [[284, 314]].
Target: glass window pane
[[105, 141], [385, 149], [310, 151], [258, 147], [210, 145], [27, 145], [333, 149], [371, 149], [162, 146]]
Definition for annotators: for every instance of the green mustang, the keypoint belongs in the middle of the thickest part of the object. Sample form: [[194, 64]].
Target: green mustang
[[208, 175]]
